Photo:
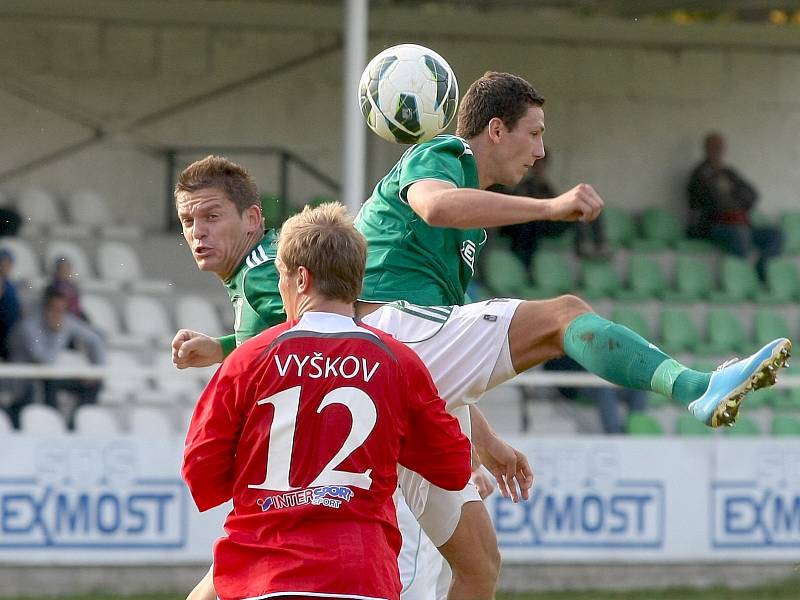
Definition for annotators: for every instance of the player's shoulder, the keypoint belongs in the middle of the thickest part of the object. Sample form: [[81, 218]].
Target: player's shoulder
[[242, 359], [259, 265], [445, 143]]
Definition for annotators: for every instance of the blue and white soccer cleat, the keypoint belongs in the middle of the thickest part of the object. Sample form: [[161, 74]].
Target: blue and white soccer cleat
[[735, 378]]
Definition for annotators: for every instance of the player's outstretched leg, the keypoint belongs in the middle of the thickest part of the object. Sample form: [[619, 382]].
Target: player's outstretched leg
[[541, 330]]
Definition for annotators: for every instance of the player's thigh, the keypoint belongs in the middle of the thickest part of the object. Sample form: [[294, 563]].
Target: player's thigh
[[204, 590], [460, 345], [419, 560], [472, 550], [536, 333]]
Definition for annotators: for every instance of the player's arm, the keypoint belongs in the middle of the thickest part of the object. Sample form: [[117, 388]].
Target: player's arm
[[210, 448], [434, 445], [442, 204], [509, 466]]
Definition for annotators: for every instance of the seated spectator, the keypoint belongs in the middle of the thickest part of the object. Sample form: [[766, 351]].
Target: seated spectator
[[40, 338], [608, 399], [64, 283], [9, 301], [525, 236], [720, 201]]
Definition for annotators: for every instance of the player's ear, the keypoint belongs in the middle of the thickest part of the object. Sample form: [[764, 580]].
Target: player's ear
[[495, 129], [303, 280], [255, 221]]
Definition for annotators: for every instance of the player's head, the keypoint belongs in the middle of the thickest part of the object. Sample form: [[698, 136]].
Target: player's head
[[714, 146], [321, 258], [54, 308], [506, 111], [220, 213]]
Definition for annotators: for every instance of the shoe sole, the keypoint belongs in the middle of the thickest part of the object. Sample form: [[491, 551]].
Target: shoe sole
[[726, 412]]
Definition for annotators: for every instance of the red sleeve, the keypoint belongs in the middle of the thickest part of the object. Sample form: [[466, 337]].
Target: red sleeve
[[208, 457], [435, 447]]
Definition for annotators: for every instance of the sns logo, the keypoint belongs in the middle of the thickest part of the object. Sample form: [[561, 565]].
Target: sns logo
[[331, 496], [625, 514], [468, 249], [752, 515]]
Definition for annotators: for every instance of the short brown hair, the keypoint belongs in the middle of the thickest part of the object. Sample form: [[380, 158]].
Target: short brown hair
[[501, 95], [220, 173], [324, 241]]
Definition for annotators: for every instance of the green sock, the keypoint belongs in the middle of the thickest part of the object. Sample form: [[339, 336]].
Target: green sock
[[625, 358]]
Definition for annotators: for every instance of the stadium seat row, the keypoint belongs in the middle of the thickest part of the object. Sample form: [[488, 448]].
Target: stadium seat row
[[551, 274]]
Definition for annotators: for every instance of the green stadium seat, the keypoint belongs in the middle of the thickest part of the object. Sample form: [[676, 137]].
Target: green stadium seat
[[660, 229], [619, 226], [566, 241], [769, 325], [272, 208], [632, 319], [783, 282], [655, 400], [689, 426], [693, 280], [725, 334], [505, 275], [551, 274], [678, 331], [600, 280], [695, 246], [642, 424], [761, 398], [791, 232], [787, 400], [646, 279], [785, 425], [744, 427], [738, 282]]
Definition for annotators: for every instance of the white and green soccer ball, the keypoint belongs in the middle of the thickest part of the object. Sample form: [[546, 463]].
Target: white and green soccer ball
[[408, 94]]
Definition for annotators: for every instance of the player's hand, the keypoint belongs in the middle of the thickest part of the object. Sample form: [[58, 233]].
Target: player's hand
[[510, 468], [482, 482], [195, 349], [581, 203]]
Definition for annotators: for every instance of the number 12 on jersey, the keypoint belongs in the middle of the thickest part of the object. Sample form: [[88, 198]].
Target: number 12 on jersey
[[284, 425]]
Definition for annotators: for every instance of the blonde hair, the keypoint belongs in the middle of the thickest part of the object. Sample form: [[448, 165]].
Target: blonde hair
[[324, 241]]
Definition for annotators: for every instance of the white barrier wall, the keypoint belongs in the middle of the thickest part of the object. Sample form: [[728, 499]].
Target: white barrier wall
[[78, 500]]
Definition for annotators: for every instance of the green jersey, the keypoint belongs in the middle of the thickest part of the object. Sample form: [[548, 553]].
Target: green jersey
[[253, 290], [407, 259]]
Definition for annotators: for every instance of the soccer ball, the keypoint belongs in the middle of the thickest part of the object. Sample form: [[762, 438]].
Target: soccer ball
[[408, 94]]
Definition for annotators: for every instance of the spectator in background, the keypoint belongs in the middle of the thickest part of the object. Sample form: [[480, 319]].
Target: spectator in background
[[9, 301], [608, 399], [720, 201], [40, 338], [590, 241], [63, 282]]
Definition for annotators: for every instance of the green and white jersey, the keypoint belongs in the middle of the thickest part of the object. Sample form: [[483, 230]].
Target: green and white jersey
[[253, 290], [407, 259]]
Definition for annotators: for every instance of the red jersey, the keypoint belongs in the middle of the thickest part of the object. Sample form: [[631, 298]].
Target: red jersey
[[303, 426]]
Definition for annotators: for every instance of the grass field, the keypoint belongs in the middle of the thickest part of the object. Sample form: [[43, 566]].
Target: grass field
[[788, 590]]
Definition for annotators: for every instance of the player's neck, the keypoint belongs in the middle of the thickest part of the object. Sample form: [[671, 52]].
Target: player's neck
[[482, 161], [320, 304]]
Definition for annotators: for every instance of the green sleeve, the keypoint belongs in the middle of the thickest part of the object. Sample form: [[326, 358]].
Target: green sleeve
[[440, 161], [228, 343], [261, 292]]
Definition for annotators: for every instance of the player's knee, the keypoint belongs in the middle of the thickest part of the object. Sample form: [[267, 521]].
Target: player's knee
[[568, 309]]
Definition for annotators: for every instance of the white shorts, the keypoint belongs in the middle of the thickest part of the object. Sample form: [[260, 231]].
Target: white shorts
[[460, 345], [466, 351]]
